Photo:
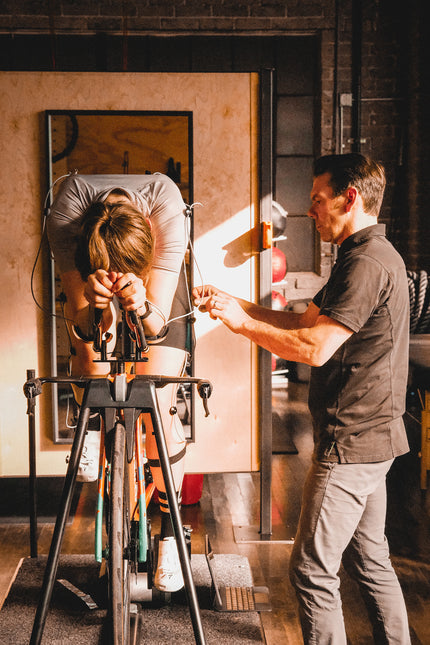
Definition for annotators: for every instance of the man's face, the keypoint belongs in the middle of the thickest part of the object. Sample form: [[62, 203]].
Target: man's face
[[327, 211]]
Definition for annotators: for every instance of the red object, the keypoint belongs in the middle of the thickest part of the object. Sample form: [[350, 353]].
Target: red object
[[192, 488], [278, 301], [279, 265]]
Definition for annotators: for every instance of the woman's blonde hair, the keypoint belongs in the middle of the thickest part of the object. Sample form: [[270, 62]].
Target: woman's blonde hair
[[116, 237]]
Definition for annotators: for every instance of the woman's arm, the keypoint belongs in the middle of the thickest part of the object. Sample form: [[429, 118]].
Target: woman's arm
[[78, 314]]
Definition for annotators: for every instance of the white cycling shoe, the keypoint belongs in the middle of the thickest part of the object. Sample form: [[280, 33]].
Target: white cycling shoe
[[168, 577], [89, 464]]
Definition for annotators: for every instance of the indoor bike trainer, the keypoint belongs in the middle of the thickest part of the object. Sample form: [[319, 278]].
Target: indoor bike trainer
[[109, 397]]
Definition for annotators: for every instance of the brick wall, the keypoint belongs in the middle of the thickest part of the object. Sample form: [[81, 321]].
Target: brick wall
[[149, 16], [393, 85]]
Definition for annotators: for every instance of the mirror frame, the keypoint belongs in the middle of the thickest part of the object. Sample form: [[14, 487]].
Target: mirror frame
[[56, 434]]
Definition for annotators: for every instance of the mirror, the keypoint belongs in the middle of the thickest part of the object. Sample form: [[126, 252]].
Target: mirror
[[109, 142]]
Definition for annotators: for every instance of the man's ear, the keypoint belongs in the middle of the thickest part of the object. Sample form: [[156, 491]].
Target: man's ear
[[351, 195]]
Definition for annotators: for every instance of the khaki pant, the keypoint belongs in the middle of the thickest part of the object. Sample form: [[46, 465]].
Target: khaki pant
[[343, 520]]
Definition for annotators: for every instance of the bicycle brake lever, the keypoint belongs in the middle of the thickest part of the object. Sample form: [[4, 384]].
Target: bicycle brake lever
[[205, 390], [138, 330], [32, 388], [97, 330]]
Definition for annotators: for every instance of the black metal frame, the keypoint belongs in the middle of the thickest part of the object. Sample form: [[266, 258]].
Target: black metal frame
[[141, 398], [265, 289]]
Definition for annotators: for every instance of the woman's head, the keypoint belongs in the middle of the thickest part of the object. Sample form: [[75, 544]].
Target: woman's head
[[114, 237]]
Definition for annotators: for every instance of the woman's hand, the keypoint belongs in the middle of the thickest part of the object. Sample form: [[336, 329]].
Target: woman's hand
[[98, 288], [102, 286], [130, 291]]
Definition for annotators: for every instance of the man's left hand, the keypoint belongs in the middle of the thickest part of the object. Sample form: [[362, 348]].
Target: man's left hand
[[224, 307]]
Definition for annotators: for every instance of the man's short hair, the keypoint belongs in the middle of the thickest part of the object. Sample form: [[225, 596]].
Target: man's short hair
[[354, 169]]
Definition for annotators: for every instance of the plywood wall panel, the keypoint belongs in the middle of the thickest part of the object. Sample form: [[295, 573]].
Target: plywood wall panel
[[223, 108]]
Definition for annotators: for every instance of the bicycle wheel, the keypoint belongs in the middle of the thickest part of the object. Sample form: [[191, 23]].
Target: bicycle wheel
[[119, 542]]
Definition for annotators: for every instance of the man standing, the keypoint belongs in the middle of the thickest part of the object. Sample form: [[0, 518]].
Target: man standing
[[355, 335]]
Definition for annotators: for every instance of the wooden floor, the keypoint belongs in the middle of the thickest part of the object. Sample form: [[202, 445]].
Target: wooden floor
[[231, 500]]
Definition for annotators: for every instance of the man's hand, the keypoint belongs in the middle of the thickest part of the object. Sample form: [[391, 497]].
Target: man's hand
[[201, 295], [222, 306]]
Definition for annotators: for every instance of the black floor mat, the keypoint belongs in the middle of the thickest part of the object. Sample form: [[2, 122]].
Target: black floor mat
[[71, 621]]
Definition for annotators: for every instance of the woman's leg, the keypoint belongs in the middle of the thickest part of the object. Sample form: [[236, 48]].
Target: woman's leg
[[168, 361]]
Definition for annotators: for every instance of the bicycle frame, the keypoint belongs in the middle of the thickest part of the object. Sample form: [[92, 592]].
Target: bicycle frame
[[140, 494]]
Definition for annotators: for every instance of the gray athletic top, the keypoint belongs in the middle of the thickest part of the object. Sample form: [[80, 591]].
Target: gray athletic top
[[156, 196]]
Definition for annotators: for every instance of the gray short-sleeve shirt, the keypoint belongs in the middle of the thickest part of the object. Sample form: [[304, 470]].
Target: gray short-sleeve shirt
[[357, 398]]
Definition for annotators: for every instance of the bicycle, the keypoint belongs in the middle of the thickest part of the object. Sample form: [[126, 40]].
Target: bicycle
[[122, 399]]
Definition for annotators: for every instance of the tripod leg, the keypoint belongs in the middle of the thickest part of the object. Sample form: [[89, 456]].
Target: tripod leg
[[60, 524], [176, 519]]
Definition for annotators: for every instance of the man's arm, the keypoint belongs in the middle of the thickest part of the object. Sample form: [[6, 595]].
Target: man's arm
[[311, 345], [203, 296], [279, 318], [303, 338]]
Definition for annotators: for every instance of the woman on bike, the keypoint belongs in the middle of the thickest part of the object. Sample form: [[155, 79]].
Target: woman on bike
[[122, 239]]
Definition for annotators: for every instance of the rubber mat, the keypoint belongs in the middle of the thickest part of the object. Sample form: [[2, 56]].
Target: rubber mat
[[72, 621]]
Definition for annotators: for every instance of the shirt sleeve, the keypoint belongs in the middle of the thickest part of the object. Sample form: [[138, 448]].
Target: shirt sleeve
[[64, 220], [317, 299], [354, 290], [167, 215]]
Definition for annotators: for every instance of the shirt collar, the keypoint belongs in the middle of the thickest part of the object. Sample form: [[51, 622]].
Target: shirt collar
[[361, 236]]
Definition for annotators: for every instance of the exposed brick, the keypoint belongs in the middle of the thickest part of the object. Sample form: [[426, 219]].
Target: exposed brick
[[299, 24], [143, 25], [234, 10], [268, 9], [105, 24], [34, 8], [194, 8], [221, 25], [253, 24], [180, 24], [31, 23], [79, 8], [72, 24], [5, 23], [160, 9], [305, 8]]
